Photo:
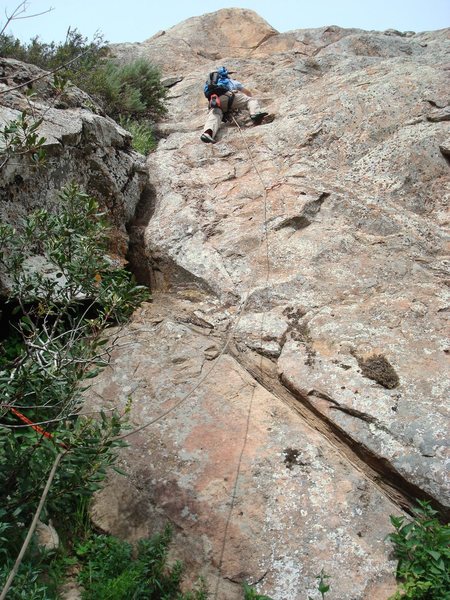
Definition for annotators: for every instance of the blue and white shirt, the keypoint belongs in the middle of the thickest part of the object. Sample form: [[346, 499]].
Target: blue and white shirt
[[231, 84]]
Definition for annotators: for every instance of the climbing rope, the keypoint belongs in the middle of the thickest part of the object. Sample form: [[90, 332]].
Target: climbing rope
[[250, 406], [229, 337], [239, 314]]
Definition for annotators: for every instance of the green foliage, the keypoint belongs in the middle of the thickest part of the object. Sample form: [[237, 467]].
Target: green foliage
[[123, 91], [73, 242], [21, 138], [109, 571], [85, 54], [130, 90], [142, 132], [10, 349], [27, 585], [422, 547], [63, 311], [251, 594], [11, 47]]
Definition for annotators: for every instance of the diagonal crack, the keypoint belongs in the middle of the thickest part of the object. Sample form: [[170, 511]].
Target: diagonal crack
[[377, 469]]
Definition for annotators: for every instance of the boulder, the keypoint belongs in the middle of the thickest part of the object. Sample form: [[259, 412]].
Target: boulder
[[46, 536], [198, 40]]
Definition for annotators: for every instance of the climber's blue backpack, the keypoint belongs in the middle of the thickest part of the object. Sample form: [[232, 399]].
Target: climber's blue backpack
[[215, 85]]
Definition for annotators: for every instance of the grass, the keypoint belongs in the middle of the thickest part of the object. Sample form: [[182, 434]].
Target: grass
[[111, 570], [142, 131]]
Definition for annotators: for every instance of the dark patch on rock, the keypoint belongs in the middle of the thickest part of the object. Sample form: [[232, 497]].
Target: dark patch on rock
[[297, 222], [305, 217], [301, 333], [311, 360], [378, 368], [169, 82], [294, 314], [292, 457]]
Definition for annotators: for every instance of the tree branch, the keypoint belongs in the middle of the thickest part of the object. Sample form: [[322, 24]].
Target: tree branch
[[32, 526], [46, 74], [21, 8]]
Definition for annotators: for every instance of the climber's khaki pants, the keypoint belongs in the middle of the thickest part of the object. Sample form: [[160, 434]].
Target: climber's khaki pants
[[214, 120]]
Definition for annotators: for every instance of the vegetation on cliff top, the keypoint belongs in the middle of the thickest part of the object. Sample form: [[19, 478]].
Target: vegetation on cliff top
[[130, 93]]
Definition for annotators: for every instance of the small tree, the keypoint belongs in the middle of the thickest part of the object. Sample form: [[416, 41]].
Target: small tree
[[57, 343]]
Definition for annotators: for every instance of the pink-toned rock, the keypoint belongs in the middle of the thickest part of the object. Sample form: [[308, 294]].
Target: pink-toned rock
[[355, 209], [298, 505], [198, 40], [326, 228]]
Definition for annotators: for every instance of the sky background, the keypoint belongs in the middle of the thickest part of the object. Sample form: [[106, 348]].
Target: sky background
[[137, 20]]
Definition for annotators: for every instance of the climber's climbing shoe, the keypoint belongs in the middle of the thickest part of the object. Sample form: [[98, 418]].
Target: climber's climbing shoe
[[258, 118], [207, 138]]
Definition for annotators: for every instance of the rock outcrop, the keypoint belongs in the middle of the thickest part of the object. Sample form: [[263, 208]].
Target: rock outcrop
[[291, 369], [197, 41], [81, 145]]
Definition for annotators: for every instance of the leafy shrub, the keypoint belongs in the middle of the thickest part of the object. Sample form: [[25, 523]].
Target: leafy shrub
[[422, 547], [51, 56], [109, 571], [62, 316], [20, 138], [26, 585], [129, 90]]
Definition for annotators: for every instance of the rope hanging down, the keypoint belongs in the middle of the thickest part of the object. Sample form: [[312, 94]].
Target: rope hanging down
[[239, 313], [254, 387]]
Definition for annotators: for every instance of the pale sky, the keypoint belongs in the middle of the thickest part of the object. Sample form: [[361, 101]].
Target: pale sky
[[137, 20]]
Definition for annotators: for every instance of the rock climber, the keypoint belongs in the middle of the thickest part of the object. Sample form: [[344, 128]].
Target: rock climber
[[224, 93]]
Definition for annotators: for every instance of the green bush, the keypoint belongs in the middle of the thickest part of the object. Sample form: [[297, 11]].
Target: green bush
[[142, 132], [57, 345], [422, 547], [128, 90], [109, 571], [27, 584], [51, 56], [19, 138]]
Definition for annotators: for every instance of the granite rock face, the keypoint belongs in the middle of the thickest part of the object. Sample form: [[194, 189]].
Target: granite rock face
[[312, 249], [254, 492], [197, 41]]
